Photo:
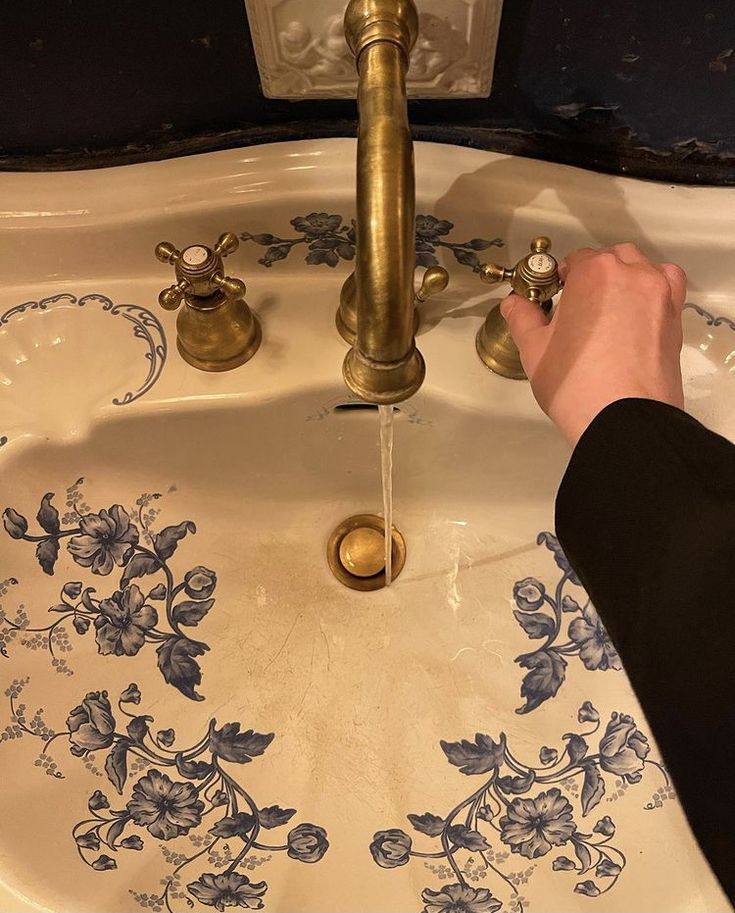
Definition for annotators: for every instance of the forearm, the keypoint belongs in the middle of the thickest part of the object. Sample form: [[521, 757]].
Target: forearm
[[646, 516]]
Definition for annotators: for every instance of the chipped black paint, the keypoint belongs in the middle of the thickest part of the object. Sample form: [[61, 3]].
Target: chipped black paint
[[624, 87]]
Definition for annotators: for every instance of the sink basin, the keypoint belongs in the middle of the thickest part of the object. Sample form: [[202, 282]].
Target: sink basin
[[199, 716]]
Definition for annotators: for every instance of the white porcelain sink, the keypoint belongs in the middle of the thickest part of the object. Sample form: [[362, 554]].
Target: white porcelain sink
[[191, 583]]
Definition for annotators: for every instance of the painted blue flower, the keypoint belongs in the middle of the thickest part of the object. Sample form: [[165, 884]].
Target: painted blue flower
[[166, 808], [529, 594], [596, 650], [460, 898], [624, 748], [199, 583], [587, 713], [391, 848], [316, 224], [307, 843], [228, 890], [532, 826], [107, 539], [429, 228], [91, 725], [123, 622]]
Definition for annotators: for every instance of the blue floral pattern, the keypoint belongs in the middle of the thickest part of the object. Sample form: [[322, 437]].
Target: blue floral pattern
[[521, 806], [182, 786], [329, 239], [127, 619], [588, 638]]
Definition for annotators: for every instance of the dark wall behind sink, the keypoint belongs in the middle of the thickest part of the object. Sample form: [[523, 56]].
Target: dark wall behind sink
[[635, 86]]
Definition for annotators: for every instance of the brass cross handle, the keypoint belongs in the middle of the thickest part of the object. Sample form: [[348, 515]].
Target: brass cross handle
[[535, 277], [199, 271]]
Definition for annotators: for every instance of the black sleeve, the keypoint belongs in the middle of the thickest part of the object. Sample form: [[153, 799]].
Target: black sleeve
[[646, 516]]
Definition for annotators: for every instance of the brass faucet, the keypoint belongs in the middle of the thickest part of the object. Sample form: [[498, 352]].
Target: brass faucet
[[216, 330], [377, 312]]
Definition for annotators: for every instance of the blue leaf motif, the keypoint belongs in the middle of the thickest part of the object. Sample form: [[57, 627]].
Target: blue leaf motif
[[192, 770], [191, 613], [116, 765], [178, 666], [88, 841], [426, 259], [47, 552], [167, 541], [138, 728], [48, 515], [584, 856], [239, 747], [587, 887], [552, 543], [139, 566], [593, 788], [274, 816], [431, 825], [607, 869], [563, 864], [237, 825], [466, 258], [605, 826], [536, 625], [478, 757], [576, 747], [467, 838], [545, 677], [516, 785]]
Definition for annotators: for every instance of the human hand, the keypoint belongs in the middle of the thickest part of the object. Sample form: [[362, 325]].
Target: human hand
[[616, 333]]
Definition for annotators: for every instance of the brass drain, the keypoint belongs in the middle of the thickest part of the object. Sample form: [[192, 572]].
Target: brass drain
[[356, 552]]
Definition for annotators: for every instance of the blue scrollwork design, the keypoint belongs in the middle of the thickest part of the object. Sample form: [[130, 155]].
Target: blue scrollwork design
[[146, 327], [711, 320]]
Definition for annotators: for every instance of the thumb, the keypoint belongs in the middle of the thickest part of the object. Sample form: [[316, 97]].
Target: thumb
[[522, 316]]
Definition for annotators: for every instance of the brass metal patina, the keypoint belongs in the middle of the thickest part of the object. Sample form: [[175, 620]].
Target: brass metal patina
[[378, 318], [216, 330], [535, 277], [356, 552]]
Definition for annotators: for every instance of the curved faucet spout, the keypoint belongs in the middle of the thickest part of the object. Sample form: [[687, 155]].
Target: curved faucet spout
[[384, 366]]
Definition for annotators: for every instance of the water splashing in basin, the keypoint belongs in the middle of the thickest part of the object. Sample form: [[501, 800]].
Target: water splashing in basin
[[386, 471]]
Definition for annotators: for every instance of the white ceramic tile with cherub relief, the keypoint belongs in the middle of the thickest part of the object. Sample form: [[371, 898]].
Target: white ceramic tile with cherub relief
[[302, 53]]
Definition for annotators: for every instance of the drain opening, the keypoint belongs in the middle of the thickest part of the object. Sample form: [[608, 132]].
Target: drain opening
[[356, 552], [359, 407]]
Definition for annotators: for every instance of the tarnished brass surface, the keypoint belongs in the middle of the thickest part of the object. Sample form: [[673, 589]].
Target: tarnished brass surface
[[535, 277], [362, 552], [347, 311], [384, 365], [356, 554], [216, 330], [434, 281]]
